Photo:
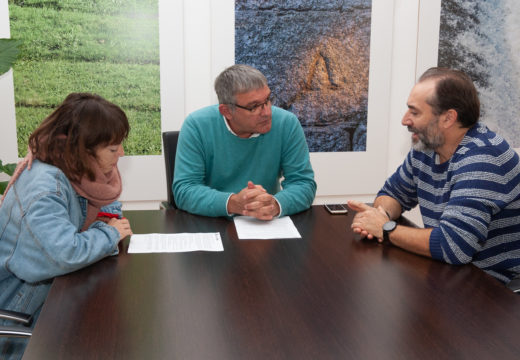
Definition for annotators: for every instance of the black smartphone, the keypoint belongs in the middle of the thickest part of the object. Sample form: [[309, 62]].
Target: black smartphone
[[336, 208]]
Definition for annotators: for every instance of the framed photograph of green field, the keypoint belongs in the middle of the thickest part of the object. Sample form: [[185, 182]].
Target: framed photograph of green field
[[107, 47]]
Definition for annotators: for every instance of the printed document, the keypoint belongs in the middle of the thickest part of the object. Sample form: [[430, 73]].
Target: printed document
[[252, 228], [151, 243]]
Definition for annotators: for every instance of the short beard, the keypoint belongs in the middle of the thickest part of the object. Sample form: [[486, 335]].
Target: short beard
[[430, 139], [429, 144]]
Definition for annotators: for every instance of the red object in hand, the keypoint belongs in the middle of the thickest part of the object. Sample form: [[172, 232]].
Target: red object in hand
[[108, 215]]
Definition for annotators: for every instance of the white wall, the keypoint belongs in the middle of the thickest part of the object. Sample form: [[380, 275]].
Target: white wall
[[8, 145], [197, 42]]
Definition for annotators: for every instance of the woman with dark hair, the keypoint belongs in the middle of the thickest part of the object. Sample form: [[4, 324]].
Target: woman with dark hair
[[51, 219]]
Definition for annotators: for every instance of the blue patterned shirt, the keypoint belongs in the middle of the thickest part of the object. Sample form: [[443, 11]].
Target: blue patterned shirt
[[472, 201]]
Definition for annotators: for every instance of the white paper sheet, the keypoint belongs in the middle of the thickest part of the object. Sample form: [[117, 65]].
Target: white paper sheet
[[280, 228], [150, 243]]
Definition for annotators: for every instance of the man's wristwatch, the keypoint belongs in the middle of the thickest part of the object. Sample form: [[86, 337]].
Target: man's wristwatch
[[388, 227]]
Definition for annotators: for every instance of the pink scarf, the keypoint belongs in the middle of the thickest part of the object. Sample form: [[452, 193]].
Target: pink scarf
[[104, 190]]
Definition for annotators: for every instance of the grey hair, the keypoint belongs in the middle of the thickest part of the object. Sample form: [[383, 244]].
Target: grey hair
[[237, 79]]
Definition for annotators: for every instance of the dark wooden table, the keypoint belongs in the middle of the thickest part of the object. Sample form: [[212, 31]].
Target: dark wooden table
[[325, 296]]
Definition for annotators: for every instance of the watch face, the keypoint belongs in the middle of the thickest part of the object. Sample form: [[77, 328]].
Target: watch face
[[389, 226]]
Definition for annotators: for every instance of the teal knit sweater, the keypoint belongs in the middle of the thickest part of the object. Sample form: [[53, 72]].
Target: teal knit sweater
[[212, 163]]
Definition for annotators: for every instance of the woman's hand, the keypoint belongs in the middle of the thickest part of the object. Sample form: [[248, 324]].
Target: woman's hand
[[121, 225], [22, 164]]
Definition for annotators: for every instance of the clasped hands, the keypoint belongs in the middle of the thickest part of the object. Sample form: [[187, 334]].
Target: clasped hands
[[254, 201], [368, 221]]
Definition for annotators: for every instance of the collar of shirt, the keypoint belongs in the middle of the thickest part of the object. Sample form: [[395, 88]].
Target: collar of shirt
[[232, 132]]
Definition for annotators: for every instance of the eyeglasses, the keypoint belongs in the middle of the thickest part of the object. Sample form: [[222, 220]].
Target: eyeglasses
[[255, 109]]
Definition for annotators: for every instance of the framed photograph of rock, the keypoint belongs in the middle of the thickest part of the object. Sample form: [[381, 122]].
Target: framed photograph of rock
[[316, 58], [330, 63]]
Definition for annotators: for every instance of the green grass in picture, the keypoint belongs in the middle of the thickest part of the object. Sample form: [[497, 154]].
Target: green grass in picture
[[145, 129], [127, 85], [108, 47], [101, 7], [50, 34], [27, 119]]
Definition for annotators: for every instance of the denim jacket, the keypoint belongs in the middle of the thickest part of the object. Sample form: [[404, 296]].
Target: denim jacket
[[40, 238]]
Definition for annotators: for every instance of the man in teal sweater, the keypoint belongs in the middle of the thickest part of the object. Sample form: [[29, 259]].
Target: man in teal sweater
[[231, 157]]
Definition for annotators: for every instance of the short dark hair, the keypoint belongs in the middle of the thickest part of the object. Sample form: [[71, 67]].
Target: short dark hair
[[453, 90], [236, 79], [73, 131]]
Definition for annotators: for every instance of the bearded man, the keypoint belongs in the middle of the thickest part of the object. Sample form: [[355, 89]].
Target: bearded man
[[464, 177]]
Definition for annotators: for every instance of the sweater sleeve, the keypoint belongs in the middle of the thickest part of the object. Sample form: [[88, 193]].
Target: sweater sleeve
[[189, 188], [113, 208], [298, 186], [483, 184], [401, 185]]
